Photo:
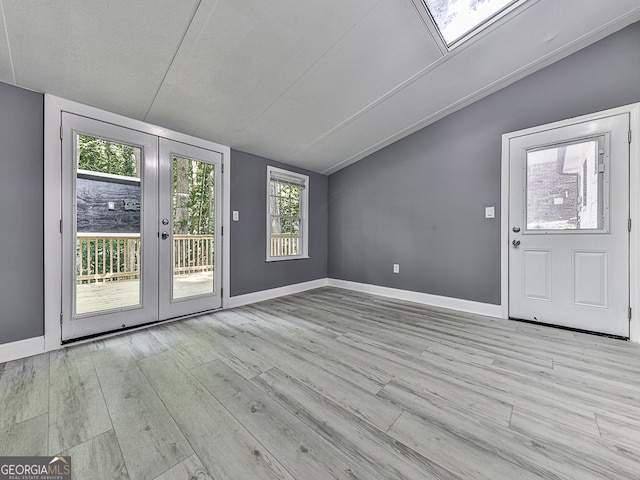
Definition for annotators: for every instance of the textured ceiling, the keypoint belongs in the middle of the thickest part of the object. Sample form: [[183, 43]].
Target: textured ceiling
[[313, 84]]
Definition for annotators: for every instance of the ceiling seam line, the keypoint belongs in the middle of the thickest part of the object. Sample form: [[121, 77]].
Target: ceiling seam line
[[382, 98], [422, 73], [326, 52], [6, 33], [470, 98], [173, 58]]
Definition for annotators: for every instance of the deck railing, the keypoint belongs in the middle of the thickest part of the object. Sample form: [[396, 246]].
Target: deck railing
[[104, 257], [285, 244], [110, 257], [192, 253]]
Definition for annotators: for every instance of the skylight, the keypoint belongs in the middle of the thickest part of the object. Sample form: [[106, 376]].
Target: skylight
[[455, 19]]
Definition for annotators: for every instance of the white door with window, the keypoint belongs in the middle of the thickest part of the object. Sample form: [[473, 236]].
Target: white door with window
[[141, 225], [568, 226]]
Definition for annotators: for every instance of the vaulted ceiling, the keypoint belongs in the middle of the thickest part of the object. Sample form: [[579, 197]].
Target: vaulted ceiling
[[316, 84]]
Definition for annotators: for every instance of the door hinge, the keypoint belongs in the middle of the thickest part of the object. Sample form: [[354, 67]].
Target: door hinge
[[222, 168], [629, 313], [60, 225], [222, 231], [629, 224], [629, 136], [60, 132], [60, 318]]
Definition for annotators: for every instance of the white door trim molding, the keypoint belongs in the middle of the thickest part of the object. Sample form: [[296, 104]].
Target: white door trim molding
[[634, 212], [54, 106]]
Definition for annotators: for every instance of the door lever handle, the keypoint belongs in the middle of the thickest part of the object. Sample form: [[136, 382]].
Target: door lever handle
[[164, 235], [516, 243]]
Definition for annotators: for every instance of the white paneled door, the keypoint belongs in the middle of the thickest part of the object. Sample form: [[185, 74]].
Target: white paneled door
[[141, 228], [569, 226]]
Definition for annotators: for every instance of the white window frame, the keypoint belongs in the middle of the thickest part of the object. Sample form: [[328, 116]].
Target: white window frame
[[446, 47], [304, 214]]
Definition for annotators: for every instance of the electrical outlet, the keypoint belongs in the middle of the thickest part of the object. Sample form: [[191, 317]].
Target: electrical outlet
[[396, 268], [236, 215]]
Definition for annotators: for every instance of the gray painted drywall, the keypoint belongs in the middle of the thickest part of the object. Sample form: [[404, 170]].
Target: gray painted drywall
[[420, 201], [249, 270], [21, 214]]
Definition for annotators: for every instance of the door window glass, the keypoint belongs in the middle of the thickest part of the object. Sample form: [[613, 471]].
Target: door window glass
[[565, 186], [108, 218], [193, 227]]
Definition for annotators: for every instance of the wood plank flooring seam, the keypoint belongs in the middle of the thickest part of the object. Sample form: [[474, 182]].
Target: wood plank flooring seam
[[173, 418], [371, 444], [194, 378], [598, 424], [402, 411]]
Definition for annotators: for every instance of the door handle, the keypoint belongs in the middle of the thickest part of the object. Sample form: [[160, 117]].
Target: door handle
[[516, 243], [164, 235]]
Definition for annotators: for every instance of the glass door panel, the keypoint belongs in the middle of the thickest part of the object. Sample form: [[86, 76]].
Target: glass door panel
[[193, 206], [108, 241]]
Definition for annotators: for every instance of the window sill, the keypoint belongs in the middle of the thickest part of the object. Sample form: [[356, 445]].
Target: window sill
[[280, 259]]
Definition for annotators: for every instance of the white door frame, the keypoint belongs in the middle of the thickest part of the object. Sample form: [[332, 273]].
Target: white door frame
[[634, 207], [54, 106]]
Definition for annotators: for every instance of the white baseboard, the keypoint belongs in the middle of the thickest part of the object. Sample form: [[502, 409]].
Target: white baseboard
[[21, 349], [255, 297], [424, 298]]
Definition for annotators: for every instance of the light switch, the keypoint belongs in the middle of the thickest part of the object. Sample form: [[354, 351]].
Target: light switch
[[236, 215], [489, 212], [111, 205]]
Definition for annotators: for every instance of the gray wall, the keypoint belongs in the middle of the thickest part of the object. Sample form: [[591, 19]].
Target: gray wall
[[249, 270], [21, 214], [420, 201]]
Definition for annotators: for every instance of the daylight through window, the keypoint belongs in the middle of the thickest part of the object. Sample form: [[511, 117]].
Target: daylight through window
[[287, 194], [457, 18]]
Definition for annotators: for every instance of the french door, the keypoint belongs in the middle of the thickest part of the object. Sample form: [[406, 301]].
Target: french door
[[140, 229], [568, 221], [189, 230]]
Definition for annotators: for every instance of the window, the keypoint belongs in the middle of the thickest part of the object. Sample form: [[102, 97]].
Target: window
[[287, 213], [565, 186], [457, 20]]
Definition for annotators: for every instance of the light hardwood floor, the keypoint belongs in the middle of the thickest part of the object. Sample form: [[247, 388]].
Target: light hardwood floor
[[331, 384]]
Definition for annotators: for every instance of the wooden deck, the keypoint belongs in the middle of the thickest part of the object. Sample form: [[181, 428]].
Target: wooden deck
[[331, 384], [92, 297]]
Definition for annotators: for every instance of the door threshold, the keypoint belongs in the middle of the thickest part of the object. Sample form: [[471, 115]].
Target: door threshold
[[132, 328], [571, 329]]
